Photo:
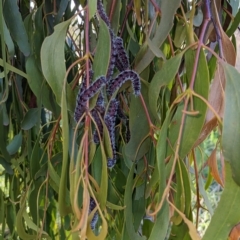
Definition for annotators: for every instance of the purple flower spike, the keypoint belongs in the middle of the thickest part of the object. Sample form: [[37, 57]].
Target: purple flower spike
[[98, 121], [84, 96], [110, 120], [124, 76], [102, 13], [112, 59], [92, 205], [122, 62]]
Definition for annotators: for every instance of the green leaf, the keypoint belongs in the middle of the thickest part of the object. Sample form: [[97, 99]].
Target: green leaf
[[16, 26], [15, 144], [163, 221], [227, 213], [31, 118], [155, 49], [61, 10], [163, 214], [139, 142], [13, 69], [3, 137], [92, 8], [180, 33], [7, 38], [53, 59], [193, 123], [6, 165], [161, 78], [235, 23], [40, 87], [64, 207], [128, 210], [102, 56], [115, 14], [167, 15], [231, 124]]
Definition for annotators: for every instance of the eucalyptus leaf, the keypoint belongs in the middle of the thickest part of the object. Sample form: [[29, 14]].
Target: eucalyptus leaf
[[16, 26], [231, 125], [227, 213]]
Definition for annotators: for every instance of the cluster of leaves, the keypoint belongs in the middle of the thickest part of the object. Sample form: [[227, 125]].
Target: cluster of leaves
[[60, 186]]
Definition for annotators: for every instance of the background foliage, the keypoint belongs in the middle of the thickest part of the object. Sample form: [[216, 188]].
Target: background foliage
[[184, 53]]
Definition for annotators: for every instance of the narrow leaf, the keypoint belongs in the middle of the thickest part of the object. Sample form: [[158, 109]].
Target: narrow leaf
[[168, 11], [53, 59], [16, 26], [231, 124], [227, 213], [160, 79]]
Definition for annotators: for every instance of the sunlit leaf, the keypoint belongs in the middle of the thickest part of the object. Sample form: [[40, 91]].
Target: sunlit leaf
[[231, 125], [227, 213]]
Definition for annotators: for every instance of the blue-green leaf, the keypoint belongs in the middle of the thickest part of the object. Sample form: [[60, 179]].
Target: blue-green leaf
[[16, 26]]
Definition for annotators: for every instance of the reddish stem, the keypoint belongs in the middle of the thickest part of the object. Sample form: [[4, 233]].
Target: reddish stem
[[157, 8], [173, 54], [87, 118], [207, 19], [112, 10], [129, 7]]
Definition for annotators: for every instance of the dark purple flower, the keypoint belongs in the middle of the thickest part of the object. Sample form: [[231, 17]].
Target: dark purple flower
[[122, 61], [85, 95], [127, 75], [92, 205], [110, 119]]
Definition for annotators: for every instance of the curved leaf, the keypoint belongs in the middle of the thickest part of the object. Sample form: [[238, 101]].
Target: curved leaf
[[193, 123], [168, 10], [231, 124], [53, 59], [16, 26], [227, 213], [161, 78]]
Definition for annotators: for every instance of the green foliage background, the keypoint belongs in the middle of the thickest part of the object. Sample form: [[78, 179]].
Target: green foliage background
[[50, 164]]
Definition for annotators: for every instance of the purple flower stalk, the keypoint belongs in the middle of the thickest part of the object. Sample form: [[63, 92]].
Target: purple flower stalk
[[123, 77], [85, 95]]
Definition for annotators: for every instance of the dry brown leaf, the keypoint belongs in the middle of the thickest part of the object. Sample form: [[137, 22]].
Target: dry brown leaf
[[235, 233], [229, 53], [207, 128], [212, 163], [216, 95], [192, 229]]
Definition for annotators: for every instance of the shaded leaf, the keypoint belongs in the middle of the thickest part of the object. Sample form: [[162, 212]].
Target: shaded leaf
[[16, 26], [193, 124], [168, 11], [139, 128], [137, 9], [31, 118], [7, 38], [6, 165], [15, 144], [160, 79], [128, 210], [102, 56]]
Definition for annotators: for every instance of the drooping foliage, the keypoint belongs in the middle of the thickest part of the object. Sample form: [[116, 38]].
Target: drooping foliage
[[105, 111]]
